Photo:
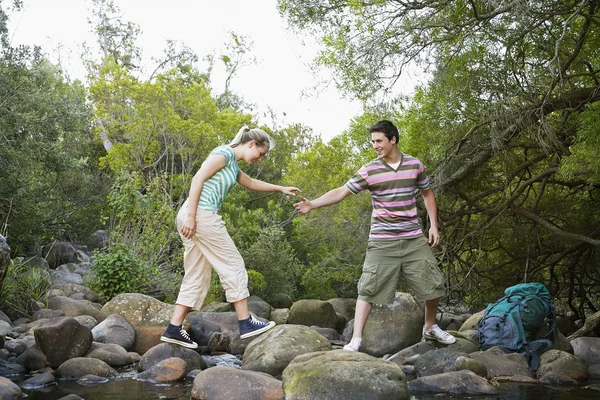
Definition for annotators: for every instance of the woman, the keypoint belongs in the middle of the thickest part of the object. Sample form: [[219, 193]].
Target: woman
[[206, 240]]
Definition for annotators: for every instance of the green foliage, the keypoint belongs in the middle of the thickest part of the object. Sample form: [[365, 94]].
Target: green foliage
[[22, 286], [330, 279], [215, 291], [256, 283], [117, 271], [273, 257]]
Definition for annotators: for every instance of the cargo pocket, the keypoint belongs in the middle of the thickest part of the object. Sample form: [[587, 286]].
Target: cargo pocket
[[367, 284], [437, 279]]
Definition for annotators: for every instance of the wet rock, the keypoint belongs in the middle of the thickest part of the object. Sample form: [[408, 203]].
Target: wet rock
[[219, 343], [169, 370], [437, 361], [453, 383], [467, 363], [9, 390], [33, 359], [587, 349], [216, 384], [75, 368], [499, 363], [112, 354], [39, 380], [558, 380]]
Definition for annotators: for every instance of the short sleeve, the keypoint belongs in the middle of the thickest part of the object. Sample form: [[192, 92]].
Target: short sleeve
[[224, 150], [422, 181], [358, 182]]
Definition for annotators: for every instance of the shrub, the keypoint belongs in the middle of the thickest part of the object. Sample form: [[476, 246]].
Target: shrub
[[21, 287], [117, 271]]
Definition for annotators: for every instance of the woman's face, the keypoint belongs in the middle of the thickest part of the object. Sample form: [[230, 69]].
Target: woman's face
[[255, 152]]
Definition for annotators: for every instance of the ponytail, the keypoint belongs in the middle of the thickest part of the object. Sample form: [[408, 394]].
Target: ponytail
[[246, 135]]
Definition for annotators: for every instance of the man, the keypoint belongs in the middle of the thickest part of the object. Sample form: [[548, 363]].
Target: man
[[396, 242]]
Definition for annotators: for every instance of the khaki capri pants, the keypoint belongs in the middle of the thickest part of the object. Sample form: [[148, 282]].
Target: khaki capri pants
[[210, 247]]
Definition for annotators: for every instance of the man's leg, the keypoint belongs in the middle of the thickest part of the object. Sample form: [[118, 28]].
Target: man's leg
[[363, 308], [431, 307]]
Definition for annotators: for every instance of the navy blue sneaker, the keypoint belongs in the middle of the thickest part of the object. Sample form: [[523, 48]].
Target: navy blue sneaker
[[252, 327], [178, 335]]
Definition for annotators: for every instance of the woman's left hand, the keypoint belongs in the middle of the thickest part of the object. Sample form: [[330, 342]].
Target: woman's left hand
[[290, 190]]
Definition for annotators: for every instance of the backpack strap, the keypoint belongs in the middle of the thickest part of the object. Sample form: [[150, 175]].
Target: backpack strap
[[534, 350]]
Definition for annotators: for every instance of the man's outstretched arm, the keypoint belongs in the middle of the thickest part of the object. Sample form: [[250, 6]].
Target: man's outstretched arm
[[332, 197]]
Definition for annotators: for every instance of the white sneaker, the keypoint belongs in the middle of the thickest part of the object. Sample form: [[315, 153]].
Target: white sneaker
[[352, 346], [435, 333]]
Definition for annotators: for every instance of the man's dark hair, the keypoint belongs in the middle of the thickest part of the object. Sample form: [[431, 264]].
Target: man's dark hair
[[387, 128]]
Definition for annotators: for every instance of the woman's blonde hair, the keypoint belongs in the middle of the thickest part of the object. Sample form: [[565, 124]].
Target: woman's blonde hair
[[246, 134]]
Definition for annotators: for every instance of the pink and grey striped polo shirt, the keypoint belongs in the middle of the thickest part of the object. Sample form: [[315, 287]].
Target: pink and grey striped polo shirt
[[393, 191]]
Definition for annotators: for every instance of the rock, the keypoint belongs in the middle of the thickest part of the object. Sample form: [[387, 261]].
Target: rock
[[557, 362], [218, 307], [467, 363], [594, 372], [75, 368], [313, 312], [453, 383], [112, 354], [70, 289], [228, 323], [61, 339], [344, 306], [115, 329], [87, 320], [219, 343], [65, 277], [558, 380], [272, 351], [328, 333], [146, 315], [471, 323], [437, 361], [393, 327], [91, 380], [340, 374], [587, 349], [499, 363], [216, 384], [203, 332], [58, 253], [98, 240], [9, 369], [259, 307], [32, 359], [281, 300], [9, 390], [47, 313], [5, 318], [170, 370], [417, 348], [39, 380], [35, 262], [280, 315], [164, 351], [73, 308]]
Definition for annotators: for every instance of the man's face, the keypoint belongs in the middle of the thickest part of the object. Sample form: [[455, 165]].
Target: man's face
[[382, 145]]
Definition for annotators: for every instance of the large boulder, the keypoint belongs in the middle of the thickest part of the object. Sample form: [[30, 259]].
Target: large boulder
[[313, 312], [148, 316], [437, 361], [344, 307], [115, 329], [339, 374], [227, 324], [392, 327], [272, 351], [216, 384], [471, 322], [112, 354], [61, 339]]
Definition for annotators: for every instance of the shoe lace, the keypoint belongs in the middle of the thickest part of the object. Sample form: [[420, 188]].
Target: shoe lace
[[439, 332], [185, 334], [254, 321]]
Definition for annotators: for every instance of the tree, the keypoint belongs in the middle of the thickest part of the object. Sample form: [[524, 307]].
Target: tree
[[503, 123]]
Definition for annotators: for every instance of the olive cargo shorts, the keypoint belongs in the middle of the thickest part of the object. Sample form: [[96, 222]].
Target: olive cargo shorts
[[386, 260]]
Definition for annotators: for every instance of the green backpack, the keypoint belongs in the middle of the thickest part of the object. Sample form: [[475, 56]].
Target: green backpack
[[512, 322]]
